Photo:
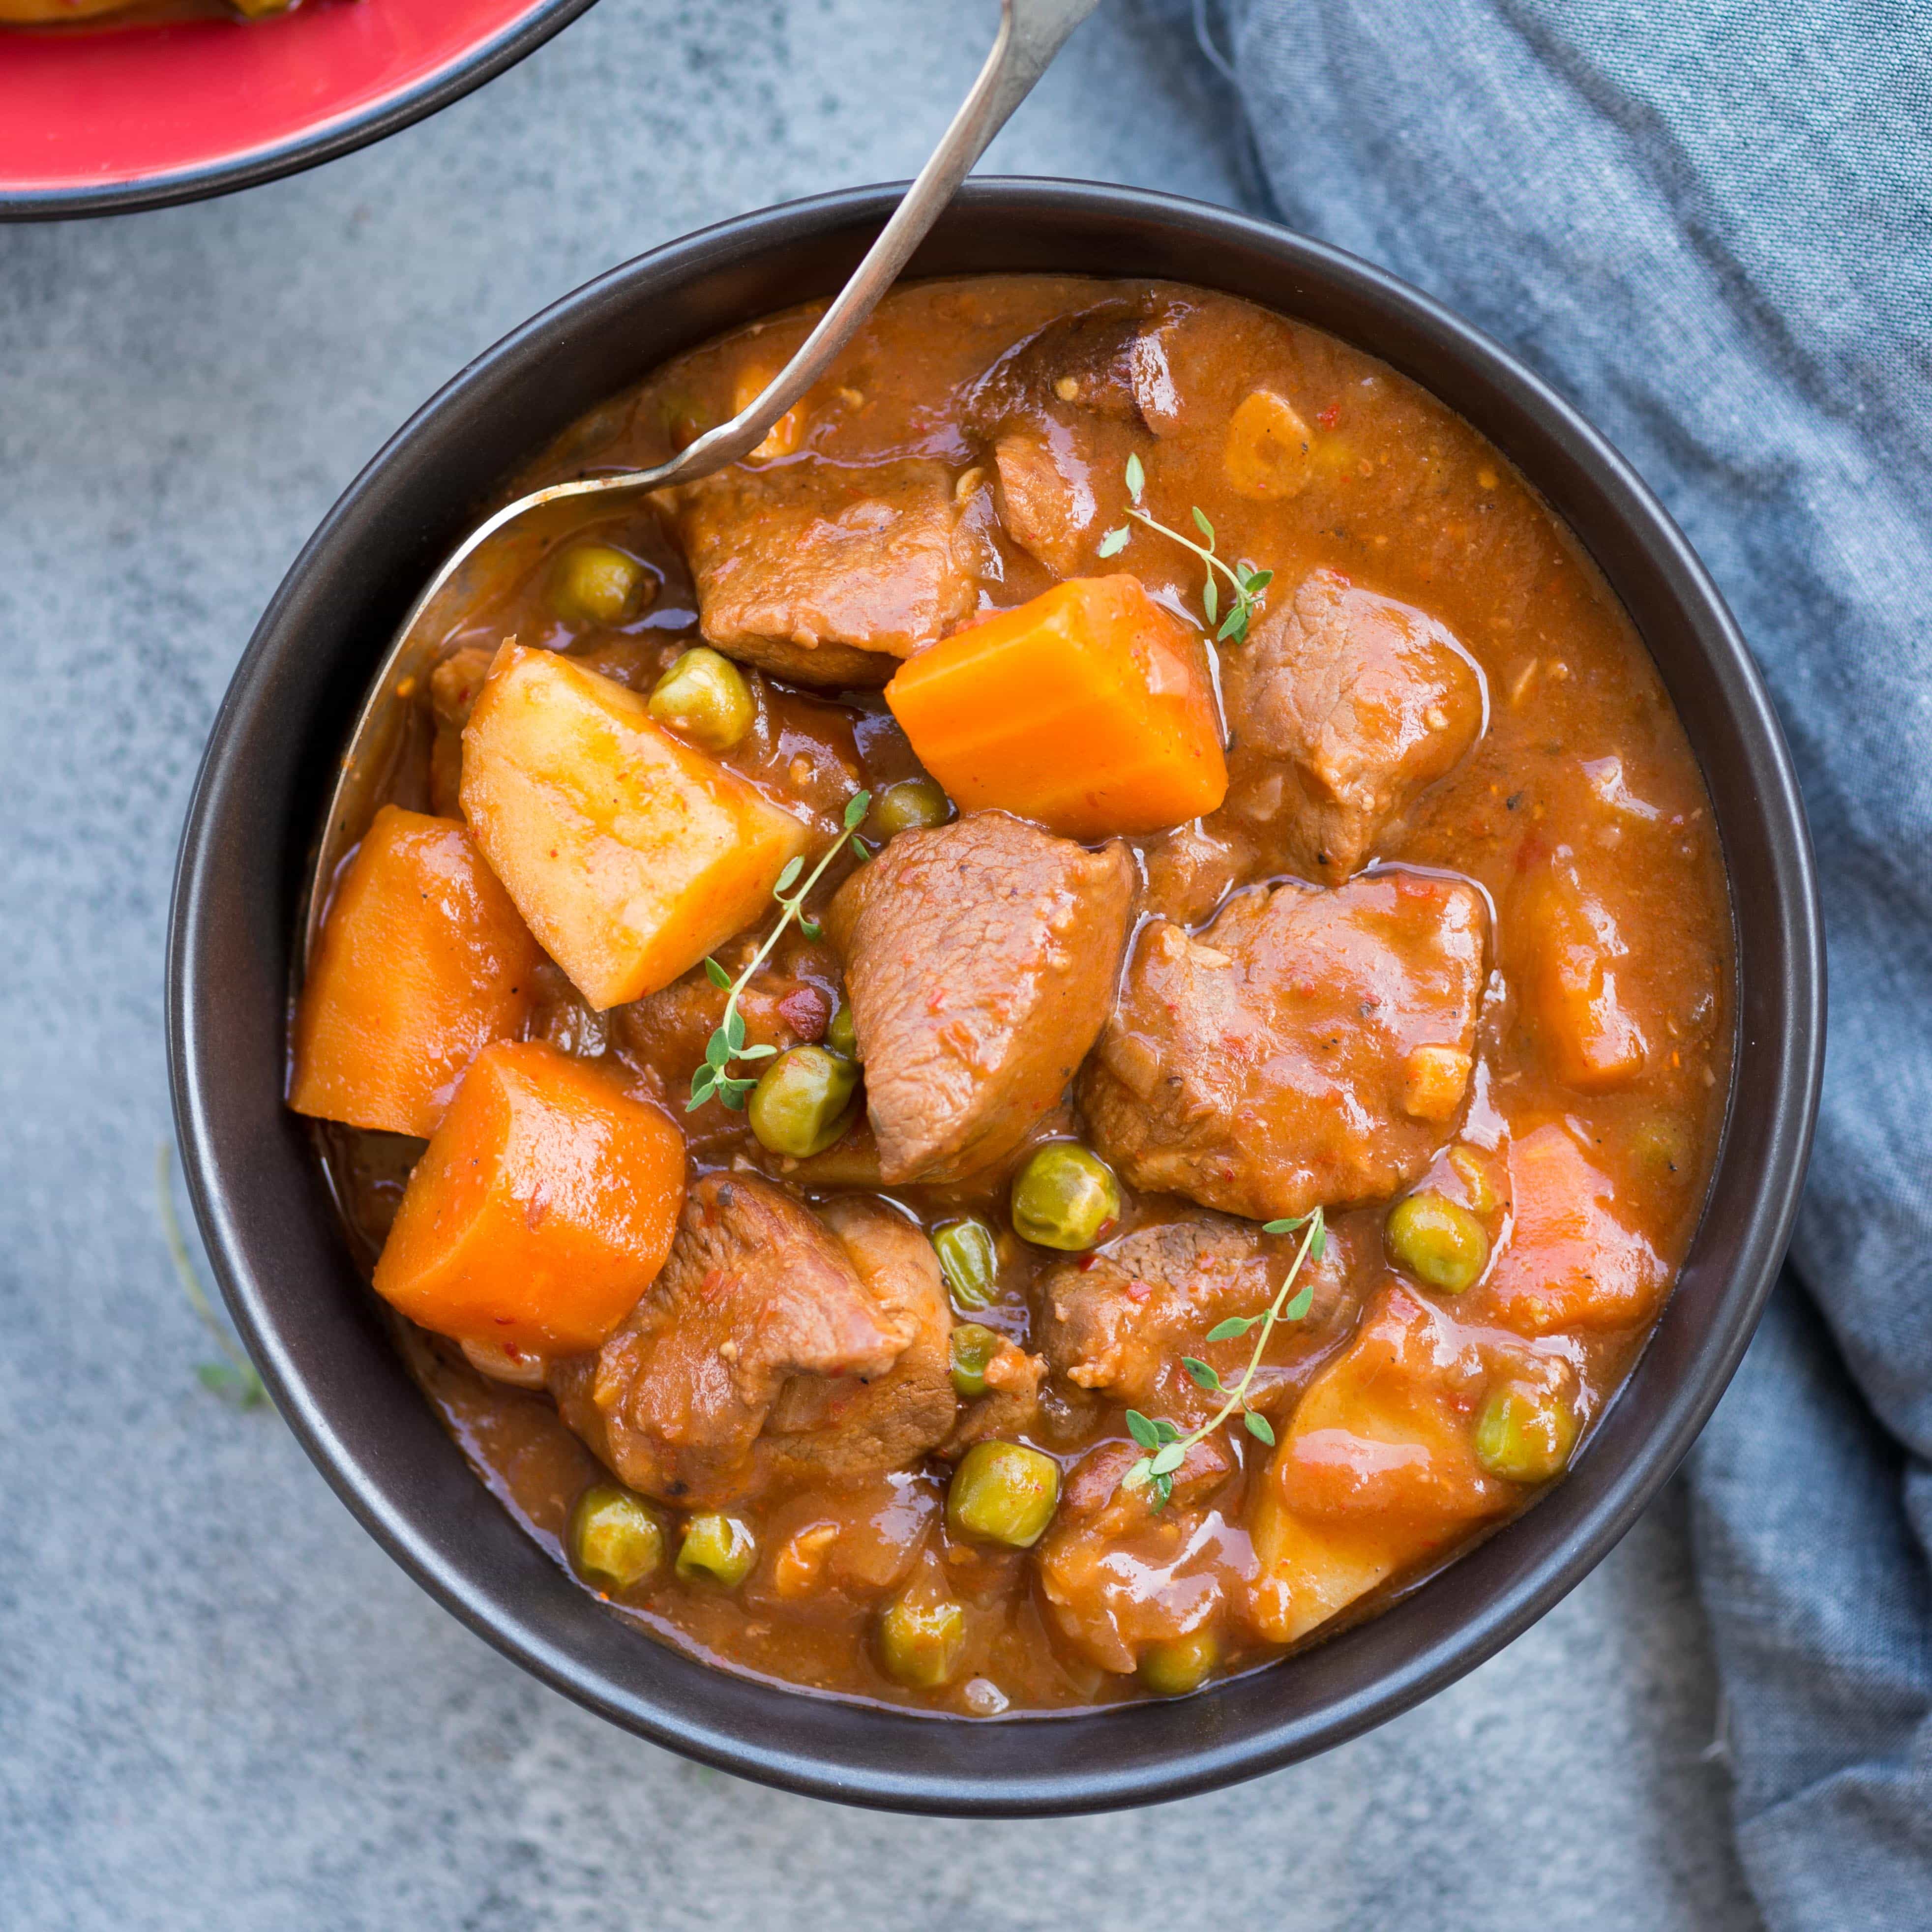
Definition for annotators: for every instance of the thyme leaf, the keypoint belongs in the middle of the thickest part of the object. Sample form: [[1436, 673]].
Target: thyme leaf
[[714, 1079], [1245, 584], [1167, 1446]]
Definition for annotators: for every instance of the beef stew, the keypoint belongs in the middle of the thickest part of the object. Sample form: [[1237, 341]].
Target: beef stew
[[918, 1376]]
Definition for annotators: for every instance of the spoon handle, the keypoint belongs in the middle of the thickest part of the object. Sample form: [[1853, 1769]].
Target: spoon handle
[[1031, 32]]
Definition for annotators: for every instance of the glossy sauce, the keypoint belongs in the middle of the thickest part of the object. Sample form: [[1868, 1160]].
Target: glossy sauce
[[1582, 756]]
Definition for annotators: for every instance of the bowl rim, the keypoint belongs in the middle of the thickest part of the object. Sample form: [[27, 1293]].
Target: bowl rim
[[331, 138], [732, 1723]]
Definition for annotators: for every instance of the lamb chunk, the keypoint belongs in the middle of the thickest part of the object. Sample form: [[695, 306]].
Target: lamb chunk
[[772, 1344], [1069, 404], [1117, 1576], [824, 575], [1046, 499], [836, 1431], [1191, 869], [1107, 361], [1010, 1406], [1120, 1321], [1262, 1069], [981, 958], [1343, 706]]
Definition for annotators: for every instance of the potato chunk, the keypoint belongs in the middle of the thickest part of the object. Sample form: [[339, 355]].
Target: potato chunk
[[1377, 1471], [422, 962], [631, 855]]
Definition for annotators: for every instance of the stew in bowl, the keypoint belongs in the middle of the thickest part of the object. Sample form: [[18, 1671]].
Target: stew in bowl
[[1047, 1041]]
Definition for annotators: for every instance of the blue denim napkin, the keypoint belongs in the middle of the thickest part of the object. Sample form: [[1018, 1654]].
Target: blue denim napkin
[[1711, 227]]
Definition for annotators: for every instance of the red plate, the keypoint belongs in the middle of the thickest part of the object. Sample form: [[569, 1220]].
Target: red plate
[[98, 122]]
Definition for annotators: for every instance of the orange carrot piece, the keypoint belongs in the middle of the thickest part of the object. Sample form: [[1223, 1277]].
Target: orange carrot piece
[[543, 1207], [422, 961], [630, 854], [1571, 1260], [1576, 959], [1089, 710]]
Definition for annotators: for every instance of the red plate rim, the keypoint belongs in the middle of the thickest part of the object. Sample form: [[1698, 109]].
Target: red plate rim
[[139, 117]]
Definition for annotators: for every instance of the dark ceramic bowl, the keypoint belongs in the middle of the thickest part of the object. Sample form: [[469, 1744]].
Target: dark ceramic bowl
[[314, 1329]]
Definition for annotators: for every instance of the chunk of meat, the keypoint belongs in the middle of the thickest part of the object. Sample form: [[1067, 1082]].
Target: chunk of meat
[[1010, 1407], [1046, 498], [981, 958], [1120, 1320], [1191, 869], [1376, 1471], [1570, 1261], [670, 1028], [1262, 1068], [1066, 407], [1117, 1576], [822, 574], [773, 1345], [1341, 707], [1108, 360], [836, 1430]]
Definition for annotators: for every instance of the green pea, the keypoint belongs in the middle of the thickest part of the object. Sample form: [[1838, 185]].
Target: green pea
[[840, 1035], [908, 805], [1065, 1197], [1662, 1141], [920, 1642], [1002, 1493], [1437, 1240], [1526, 1434], [592, 583], [614, 1539], [969, 1258], [720, 1549], [704, 696], [1173, 1668], [804, 1102], [972, 1348]]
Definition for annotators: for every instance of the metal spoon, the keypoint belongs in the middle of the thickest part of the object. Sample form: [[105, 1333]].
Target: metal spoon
[[1031, 33]]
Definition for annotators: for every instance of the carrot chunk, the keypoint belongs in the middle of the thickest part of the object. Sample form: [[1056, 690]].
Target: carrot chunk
[[543, 1208], [1089, 710], [422, 961], [1576, 959], [630, 854], [1571, 1262]]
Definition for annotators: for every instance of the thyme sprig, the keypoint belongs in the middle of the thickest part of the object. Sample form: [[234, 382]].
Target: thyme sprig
[[727, 1043], [1245, 583], [236, 1380], [1167, 1447]]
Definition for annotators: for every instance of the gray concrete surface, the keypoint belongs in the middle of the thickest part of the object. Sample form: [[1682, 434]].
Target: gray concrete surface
[[220, 1706]]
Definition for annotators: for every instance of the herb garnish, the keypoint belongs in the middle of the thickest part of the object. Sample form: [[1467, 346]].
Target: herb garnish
[[715, 1077], [1246, 584], [235, 1379], [1167, 1447]]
